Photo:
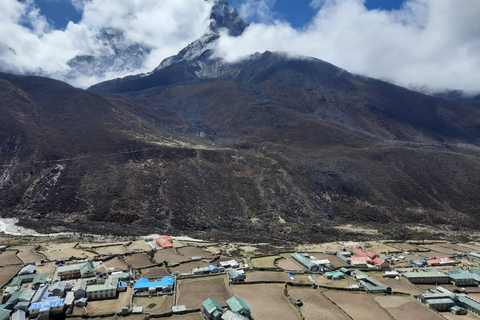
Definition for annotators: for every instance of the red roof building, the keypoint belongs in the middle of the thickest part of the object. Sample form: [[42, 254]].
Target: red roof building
[[372, 255], [165, 242], [380, 262], [359, 259], [440, 262], [359, 253]]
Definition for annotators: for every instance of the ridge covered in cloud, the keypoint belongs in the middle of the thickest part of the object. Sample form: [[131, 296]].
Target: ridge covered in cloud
[[434, 44], [427, 43]]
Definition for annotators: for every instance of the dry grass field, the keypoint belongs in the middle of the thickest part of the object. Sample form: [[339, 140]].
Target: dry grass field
[[315, 305], [186, 267], [47, 268], [378, 247], [440, 248], [289, 264], [58, 251], [138, 260], [7, 273], [264, 262], [192, 292], [155, 272], [120, 249], [116, 264], [266, 276], [139, 245], [470, 246], [360, 306], [342, 283], [89, 245], [267, 301], [153, 304], [9, 257], [405, 246], [190, 316], [194, 252], [406, 308], [169, 255], [456, 247], [27, 254]]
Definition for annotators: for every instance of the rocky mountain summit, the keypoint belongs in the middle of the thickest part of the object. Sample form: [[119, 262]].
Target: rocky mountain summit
[[118, 55]]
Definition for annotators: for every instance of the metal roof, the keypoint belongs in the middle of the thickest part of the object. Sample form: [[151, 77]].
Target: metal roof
[[238, 305], [440, 301], [109, 284], [46, 304], [229, 315], [143, 283], [211, 306]]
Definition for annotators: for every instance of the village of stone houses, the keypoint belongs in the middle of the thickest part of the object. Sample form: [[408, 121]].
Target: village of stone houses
[[185, 279]]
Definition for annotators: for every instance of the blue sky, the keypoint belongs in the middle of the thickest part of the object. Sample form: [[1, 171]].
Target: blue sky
[[297, 13]]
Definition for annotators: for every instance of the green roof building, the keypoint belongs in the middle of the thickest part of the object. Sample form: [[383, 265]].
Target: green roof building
[[4, 314], [236, 276], [36, 278], [431, 276], [25, 295], [103, 291], [238, 305], [305, 262], [212, 310], [440, 304], [469, 304]]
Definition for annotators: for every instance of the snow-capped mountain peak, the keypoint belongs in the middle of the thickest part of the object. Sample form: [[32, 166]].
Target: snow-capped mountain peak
[[223, 16]]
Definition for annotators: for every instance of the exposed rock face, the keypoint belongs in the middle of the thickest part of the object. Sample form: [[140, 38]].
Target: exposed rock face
[[117, 55]]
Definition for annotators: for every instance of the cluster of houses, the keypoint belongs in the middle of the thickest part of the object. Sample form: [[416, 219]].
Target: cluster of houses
[[460, 278], [360, 259], [219, 268], [442, 299], [236, 309], [44, 298]]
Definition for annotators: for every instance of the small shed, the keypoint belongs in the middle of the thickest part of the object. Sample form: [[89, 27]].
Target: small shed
[[28, 269]]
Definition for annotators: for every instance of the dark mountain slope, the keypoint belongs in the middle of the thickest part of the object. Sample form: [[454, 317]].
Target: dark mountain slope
[[271, 147]]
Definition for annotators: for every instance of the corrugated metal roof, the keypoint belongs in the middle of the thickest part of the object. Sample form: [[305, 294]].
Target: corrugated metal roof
[[211, 305], [440, 301], [229, 315], [143, 283], [238, 305]]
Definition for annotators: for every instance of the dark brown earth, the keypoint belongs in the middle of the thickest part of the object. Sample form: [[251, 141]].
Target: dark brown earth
[[269, 149]]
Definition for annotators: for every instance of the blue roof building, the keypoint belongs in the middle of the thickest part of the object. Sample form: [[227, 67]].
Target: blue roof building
[[143, 284], [47, 307]]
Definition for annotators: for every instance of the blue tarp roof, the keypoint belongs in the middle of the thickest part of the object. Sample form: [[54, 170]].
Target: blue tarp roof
[[143, 283], [46, 304]]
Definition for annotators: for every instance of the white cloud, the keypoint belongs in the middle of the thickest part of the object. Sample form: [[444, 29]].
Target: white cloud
[[427, 42], [29, 44], [258, 10]]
